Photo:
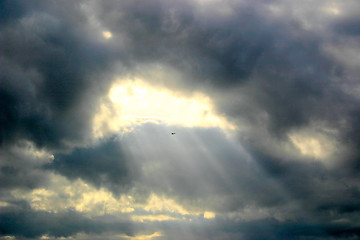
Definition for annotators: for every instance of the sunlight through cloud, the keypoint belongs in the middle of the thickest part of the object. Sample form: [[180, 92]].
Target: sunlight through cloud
[[77, 195], [332, 10], [107, 34], [145, 237], [132, 103], [87, 199], [318, 143], [209, 215], [152, 218]]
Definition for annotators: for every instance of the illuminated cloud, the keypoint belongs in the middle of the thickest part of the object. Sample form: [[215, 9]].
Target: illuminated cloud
[[318, 148], [132, 103], [145, 237], [162, 204], [62, 194], [318, 143], [107, 34], [152, 217], [209, 215], [333, 10], [112, 236]]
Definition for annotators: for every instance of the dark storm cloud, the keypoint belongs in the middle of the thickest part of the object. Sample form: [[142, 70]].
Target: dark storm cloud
[[314, 186], [348, 25], [274, 229], [11, 10], [18, 169], [269, 228], [105, 165], [284, 62], [21, 221], [281, 70], [48, 59], [265, 70], [290, 76], [221, 50]]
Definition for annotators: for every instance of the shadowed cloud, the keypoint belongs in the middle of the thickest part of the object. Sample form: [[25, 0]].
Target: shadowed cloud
[[284, 74]]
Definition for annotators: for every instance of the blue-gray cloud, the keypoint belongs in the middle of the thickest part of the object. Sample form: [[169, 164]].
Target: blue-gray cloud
[[105, 165], [270, 71]]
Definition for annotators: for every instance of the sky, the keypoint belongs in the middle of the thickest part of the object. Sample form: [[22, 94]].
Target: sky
[[263, 98]]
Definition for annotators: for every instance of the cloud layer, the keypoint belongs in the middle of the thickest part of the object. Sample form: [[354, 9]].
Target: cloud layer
[[284, 74]]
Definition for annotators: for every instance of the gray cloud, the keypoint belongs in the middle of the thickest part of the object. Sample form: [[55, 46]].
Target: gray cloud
[[22, 221], [221, 51], [348, 25], [104, 165], [265, 65], [284, 67], [260, 229], [48, 60], [18, 169]]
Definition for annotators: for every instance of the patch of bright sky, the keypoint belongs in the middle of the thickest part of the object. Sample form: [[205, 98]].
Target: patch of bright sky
[[130, 103], [333, 10], [163, 204], [107, 34], [312, 15], [95, 25], [315, 142], [209, 215], [152, 218], [4, 204], [109, 236], [145, 237]]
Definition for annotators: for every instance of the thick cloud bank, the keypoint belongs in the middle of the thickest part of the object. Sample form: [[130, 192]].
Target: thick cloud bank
[[284, 74]]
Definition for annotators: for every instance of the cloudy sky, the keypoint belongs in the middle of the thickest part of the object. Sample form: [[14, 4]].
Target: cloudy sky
[[263, 98]]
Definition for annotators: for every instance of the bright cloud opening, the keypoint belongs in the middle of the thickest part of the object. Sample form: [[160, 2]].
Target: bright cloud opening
[[314, 143], [332, 10], [132, 103], [107, 34], [209, 215], [145, 237]]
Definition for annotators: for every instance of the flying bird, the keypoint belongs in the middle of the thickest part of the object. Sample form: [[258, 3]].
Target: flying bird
[[172, 133]]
